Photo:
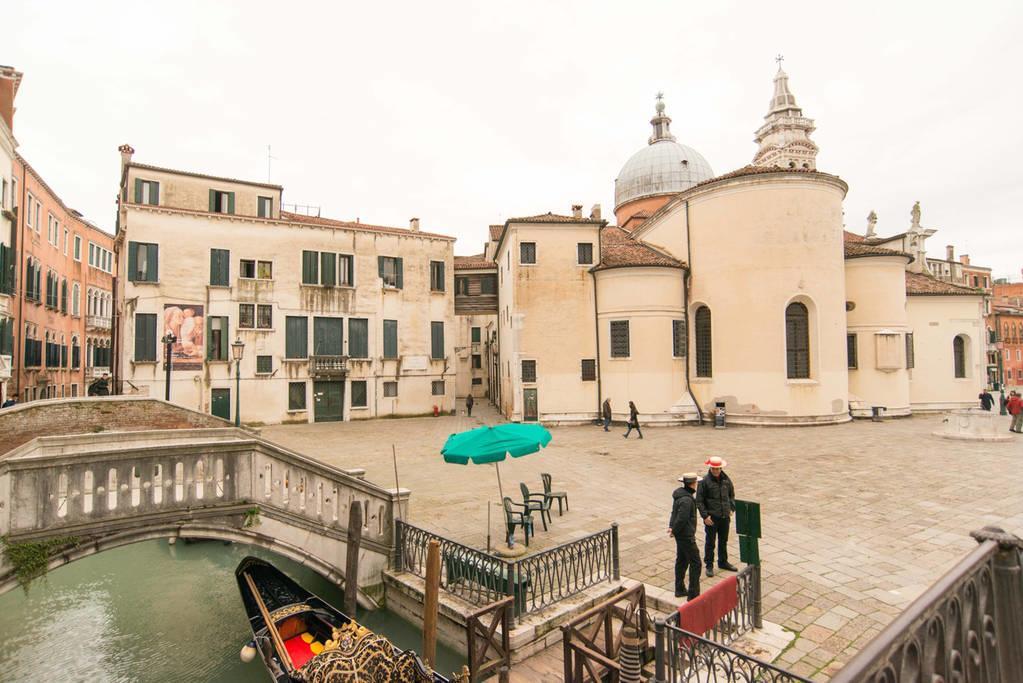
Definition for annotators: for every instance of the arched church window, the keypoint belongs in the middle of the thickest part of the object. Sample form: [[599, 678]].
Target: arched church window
[[704, 366], [797, 341], [959, 356]]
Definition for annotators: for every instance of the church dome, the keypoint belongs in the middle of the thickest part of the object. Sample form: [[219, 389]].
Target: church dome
[[662, 167]]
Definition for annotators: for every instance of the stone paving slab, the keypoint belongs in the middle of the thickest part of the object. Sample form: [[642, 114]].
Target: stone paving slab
[[858, 519]]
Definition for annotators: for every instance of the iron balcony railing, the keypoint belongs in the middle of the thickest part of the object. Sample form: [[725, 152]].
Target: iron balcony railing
[[97, 322], [684, 657], [535, 581], [966, 627], [328, 365]]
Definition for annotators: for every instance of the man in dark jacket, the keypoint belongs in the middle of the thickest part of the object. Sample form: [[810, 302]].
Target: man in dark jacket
[[469, 402], [986, 400], [605, 412], [716, 499], [682, 526]]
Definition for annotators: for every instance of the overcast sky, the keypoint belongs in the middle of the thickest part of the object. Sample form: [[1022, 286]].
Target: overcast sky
[[465, 114]]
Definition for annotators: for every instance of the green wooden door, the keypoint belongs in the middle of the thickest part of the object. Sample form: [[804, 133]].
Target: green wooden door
[[220, 405], [328, 401], [529, 413]]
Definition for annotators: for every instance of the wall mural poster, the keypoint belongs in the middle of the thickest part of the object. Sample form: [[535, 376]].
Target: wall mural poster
[[186, 322]]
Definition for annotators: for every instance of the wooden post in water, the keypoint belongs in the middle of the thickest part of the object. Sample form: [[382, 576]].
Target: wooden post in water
[[430, 603], [352, 558]]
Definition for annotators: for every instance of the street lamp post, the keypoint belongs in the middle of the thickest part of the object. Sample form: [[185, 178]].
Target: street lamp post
[[168, 341], [237, 349]]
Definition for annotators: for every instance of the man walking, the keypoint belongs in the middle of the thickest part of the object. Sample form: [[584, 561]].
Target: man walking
[[1015, 407], [986, 400], [605, 412], [469, 401], [715, 498], [633, 421], [682, 526]]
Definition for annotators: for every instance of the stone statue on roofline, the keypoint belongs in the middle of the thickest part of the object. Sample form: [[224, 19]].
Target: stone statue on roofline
[[915, 214], [871, 224]]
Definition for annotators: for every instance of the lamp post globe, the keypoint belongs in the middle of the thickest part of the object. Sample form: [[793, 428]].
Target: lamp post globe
[[237, 350]]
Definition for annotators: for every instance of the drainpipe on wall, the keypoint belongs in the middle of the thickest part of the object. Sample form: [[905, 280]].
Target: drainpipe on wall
[[685, 311], [596, 328]]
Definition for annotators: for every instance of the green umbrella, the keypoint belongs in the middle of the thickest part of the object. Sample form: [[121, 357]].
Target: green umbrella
[[485, 445]]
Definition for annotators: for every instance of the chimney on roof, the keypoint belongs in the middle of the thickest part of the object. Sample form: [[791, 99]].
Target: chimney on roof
[[126, 152], [413, 224], [595, 212], [950, 253], [964, 259], [577, 211]]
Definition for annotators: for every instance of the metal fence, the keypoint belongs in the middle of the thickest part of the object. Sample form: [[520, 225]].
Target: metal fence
[[966, 627], [534, 581], [745, 616]]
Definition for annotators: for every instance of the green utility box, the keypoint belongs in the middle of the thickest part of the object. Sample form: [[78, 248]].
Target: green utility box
[[747, 518]]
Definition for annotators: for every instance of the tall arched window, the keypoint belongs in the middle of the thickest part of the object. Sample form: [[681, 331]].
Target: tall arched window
[[959, 356], [797, 341], [76, 300], [704, 366]]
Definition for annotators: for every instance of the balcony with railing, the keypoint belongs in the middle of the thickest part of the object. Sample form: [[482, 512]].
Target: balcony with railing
[[328, 366], [97, 322]]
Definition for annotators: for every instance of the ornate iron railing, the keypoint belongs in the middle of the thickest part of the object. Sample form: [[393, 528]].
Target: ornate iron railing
[[681, 656], [966, 627], [745, 616], [592, 641], [534, 581]]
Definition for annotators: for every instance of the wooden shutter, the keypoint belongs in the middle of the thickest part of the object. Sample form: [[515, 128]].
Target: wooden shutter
[[328, 336], [213, 201], [133, 262], [390, 339], [398, 269], [138, 191], [296, 337], [145, 337], [153, 263], [328, 269], [358, 337], [437, 340], [154, 193], [230, 202], [310, 265], [220, 267]]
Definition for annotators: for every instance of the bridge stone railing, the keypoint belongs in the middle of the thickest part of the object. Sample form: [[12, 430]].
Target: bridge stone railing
[[93, 485]]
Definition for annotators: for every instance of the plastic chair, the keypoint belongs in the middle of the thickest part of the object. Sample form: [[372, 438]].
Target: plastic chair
[[538, 502], [513, 518], [553, 495]]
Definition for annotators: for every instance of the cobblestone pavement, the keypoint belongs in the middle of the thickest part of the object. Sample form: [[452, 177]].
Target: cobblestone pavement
[[857, 519]]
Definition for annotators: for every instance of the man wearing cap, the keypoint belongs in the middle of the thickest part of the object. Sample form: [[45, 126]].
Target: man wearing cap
[[682, 525], [716, 499]]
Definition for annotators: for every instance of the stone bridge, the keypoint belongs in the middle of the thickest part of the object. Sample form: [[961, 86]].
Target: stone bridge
[[115, 488]]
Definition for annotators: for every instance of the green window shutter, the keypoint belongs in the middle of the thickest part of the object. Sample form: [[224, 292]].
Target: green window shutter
[[310, 266], [328, 268], [153, 259], [63, 296], [296, 337], [437, 340], [154, 193], [440, 267], [380, 266], [213, 201], [220, 267], [145, 336], [399, 268], [225, 334], [230, 202], [138, 191], [214, 273], [210, 353], [475, 335], [358, 337], [133, 263], [390, 339]]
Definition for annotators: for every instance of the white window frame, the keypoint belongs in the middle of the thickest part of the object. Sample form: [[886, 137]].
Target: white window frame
[[77, 251]]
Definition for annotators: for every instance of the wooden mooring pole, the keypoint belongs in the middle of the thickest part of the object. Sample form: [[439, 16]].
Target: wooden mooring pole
[[430, 603], [352, 558]]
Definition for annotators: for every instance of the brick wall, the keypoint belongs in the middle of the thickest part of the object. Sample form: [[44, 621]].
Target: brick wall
[[22, 423]]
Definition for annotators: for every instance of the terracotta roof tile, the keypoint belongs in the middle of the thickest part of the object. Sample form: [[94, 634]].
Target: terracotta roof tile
[[861, 249], [920, 284], [852, 237], [348, 225], [495, 232], [552, 218], [618, 249], [474, 262]]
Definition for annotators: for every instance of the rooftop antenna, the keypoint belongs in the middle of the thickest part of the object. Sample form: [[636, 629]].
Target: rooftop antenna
[[268, 158]]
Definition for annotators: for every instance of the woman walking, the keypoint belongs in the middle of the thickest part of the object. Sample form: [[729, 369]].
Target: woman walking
[[633, 421]]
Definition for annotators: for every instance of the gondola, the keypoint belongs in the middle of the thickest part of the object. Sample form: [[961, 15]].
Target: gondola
[[311, 641]]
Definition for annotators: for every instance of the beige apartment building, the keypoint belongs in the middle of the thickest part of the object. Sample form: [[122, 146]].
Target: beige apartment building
[[335, 320]]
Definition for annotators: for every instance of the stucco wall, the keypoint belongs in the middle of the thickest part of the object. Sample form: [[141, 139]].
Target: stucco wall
[[465, 349], [935, 322], [876, 289], [193, 192]]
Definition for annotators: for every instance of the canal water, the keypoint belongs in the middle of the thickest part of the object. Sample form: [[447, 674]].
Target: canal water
[[154, 612]]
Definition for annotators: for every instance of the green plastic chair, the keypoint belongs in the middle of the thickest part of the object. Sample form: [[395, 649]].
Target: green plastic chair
[[513, 518], [553, 495], [538, 502]]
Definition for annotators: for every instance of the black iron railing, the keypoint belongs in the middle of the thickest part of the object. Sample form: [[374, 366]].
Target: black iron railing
[[534, 581], [966, 627], [681, 656], [745, 616]]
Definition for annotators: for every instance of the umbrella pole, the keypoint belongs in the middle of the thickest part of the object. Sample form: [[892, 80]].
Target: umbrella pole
[[499, 487]]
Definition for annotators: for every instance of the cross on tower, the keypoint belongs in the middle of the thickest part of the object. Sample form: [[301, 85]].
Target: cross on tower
[[780, 58], [660, 96]]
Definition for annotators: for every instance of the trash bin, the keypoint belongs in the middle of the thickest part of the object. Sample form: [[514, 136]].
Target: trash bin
[[719, 415], [877, 412]]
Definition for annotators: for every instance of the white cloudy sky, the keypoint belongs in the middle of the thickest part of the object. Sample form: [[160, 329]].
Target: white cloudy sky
[[465, 114]]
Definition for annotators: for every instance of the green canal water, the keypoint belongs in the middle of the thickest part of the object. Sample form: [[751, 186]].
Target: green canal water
[[154, 612]]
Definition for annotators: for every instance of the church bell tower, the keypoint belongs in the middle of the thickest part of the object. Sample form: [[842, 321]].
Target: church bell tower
[[784, 138]]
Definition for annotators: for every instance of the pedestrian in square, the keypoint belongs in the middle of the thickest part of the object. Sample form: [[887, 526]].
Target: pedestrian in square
[[469, 401], [605, 411], [1015, 407], [633, 421], [986, 400], [715, 498], [682, 527]]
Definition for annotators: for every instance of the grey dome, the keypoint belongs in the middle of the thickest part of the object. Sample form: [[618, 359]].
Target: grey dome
[[662, 167]]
